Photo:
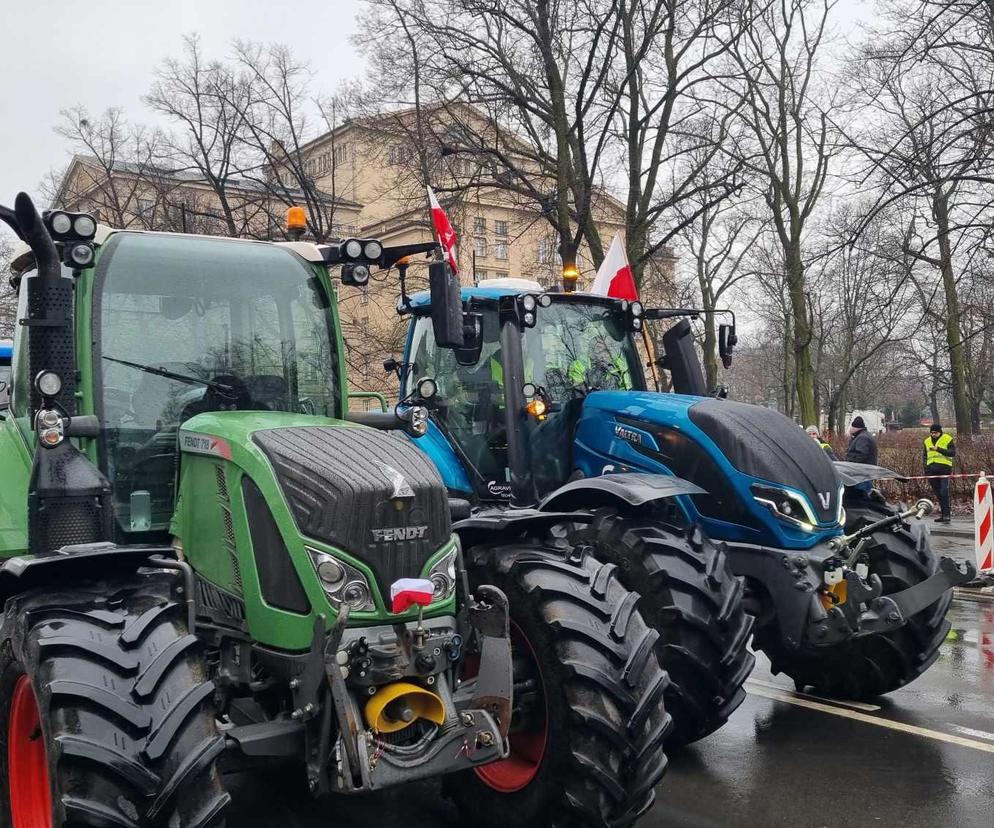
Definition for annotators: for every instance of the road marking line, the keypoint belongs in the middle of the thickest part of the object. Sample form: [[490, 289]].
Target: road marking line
[[937, 735], [969, 731], [855, 705]]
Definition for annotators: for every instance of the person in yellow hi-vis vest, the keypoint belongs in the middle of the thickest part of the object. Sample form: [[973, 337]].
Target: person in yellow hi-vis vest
[[937, 457]]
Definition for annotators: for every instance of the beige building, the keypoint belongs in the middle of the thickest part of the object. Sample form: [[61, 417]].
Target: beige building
[[369, 178]]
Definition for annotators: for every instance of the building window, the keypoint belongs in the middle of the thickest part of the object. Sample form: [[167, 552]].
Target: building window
[[479, 275], [400, 154], [479, 225], [500, 250], [480, 245], [341, 153], [145, 207], [500, 228], [545, 251]]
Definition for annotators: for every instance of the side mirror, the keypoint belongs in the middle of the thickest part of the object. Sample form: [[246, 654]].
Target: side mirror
[[469, 353], [727, 340], [682, 362], [391, 365], [446, 306], [4, 395]]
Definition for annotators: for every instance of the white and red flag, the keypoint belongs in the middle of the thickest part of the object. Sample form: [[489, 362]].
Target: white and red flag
[[614, 278], [408, 592], [443, 229]]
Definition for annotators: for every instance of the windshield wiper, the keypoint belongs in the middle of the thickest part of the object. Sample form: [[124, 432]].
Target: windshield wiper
[[220, 387]]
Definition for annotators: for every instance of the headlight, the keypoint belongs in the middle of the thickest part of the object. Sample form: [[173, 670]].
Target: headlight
[[786, 505], [48, 383], [419, 421], [342, 582], [81, 254], [60, 222], [84, 226], [528, 302], [636, 309], [443, 575], [353, 249], [373, 250]]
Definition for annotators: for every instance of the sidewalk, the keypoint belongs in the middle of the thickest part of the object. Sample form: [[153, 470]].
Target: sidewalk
[[960, 527]]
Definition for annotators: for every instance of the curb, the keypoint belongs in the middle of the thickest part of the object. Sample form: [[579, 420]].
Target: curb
[[973, 595]]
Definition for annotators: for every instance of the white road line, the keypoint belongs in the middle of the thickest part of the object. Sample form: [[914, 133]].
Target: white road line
[[855, 705], [969, 731], [937, 735]]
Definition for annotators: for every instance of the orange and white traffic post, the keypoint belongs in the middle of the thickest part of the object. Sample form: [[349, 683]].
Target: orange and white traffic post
[[983, 517]]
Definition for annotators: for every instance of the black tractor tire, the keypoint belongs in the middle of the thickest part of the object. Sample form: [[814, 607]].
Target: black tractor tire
[[122, 703], [694, 601], [871, 666], [604, 722]]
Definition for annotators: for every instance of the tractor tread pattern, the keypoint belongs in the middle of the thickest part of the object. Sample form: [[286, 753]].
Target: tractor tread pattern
[[868, 667], [127, 701], [611, 688], [694, 601]]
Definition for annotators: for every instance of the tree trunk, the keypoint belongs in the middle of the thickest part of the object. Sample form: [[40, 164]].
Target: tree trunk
[[804, 375], [954, 337]]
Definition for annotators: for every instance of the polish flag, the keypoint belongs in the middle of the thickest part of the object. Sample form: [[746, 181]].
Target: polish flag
[[407, 592], [614, 278], [443, 229]]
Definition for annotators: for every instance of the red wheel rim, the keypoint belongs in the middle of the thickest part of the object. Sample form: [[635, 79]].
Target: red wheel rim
[[27, 764], [527, 748]]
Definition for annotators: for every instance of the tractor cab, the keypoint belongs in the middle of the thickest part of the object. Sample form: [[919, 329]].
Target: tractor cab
[[185, 325], [540, 353]]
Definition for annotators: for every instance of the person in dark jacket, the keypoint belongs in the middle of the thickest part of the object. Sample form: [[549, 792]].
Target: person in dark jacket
[[862, 447], [937, 458]]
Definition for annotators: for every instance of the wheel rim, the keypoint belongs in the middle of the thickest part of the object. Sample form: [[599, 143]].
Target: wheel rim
[[527, 747], [27, 763]]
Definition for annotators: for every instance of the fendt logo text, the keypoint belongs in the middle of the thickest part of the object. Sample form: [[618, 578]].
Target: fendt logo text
[[402, 533]]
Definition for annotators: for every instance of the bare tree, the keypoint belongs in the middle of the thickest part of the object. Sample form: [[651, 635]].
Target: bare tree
[[790, 146], [207, 101], [8, 299], [119, 176], [720, 239]]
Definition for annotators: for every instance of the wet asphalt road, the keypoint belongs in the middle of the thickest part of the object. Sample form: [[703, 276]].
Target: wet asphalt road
[[922, 756]]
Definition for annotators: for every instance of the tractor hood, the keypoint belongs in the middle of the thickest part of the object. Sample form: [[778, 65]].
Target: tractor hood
[[741, 454], [368, 493]]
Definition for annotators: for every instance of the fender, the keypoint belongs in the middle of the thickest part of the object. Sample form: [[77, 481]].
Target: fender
[[90, 561], [497, 524], [626, 489], [852, 474]]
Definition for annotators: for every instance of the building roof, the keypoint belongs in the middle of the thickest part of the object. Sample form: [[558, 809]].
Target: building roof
[[194, 177]]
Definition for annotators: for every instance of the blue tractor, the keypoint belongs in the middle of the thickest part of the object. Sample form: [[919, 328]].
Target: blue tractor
[[726, 518], [6, 354]]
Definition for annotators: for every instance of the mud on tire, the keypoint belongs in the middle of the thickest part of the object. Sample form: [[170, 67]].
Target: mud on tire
[[871, 666], [603, 695], [124, 704], [689, 594]]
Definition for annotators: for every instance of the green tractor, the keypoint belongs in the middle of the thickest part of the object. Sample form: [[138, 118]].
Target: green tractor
[[209, 563]]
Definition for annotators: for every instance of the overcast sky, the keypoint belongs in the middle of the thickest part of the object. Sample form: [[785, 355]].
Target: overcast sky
[[55, 54]]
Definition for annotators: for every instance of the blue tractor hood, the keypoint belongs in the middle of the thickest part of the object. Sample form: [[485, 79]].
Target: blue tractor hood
[[743, 455]]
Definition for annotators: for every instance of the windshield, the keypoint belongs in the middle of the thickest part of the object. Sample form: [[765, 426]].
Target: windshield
[[187, 325], [576, 348]]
